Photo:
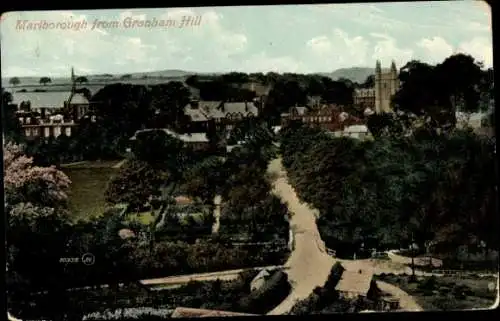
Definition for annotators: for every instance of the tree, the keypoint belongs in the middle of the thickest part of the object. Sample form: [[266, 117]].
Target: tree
[[12, 128], [24, 183], [437, 92], [204, 179], [192, 81], [14, 81], [136, 182], [369, 82], [159, 150], [168, 101], [81, 79], [45, 80], [235, 78]]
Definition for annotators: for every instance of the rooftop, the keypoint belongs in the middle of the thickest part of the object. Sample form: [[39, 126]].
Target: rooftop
[[217, 109], [48, 99], [187, 138]]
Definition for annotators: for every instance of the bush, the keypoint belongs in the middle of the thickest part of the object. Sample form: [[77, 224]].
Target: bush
[[263, 300], [429, 284]]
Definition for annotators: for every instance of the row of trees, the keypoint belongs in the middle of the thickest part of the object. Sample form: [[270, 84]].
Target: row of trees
[[15, 81], [379, 193]]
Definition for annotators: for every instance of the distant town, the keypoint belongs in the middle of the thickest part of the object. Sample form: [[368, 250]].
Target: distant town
[[230, 168]]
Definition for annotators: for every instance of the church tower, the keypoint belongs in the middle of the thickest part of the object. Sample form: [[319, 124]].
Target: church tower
[[378, 89], [73, 88], [386, 85]]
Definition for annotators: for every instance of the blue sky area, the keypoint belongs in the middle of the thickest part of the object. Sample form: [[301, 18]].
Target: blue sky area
[[298, 38]]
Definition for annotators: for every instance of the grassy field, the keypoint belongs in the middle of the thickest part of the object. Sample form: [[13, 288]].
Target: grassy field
[[86, 197]]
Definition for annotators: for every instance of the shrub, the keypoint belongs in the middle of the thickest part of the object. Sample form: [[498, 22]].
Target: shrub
[[429, 284]]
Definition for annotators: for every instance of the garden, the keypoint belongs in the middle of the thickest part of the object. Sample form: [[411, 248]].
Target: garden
[[132, 301], [447, 292]]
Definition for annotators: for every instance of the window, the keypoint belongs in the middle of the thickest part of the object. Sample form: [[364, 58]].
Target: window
[[27, 131], [57, 131], [35, 131], [46, 132], [28, 120], [68, 131]]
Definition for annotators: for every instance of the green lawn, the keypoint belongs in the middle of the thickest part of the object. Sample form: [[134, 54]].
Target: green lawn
[[86, 197], [145, 218]]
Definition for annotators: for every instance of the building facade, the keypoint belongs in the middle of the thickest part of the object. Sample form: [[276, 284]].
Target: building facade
[[379, 97], [329, 117], [44, 114]]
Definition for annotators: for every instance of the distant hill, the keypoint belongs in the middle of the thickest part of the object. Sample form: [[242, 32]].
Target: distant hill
[[356, 74]]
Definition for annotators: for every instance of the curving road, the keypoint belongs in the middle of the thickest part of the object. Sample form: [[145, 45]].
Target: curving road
[[309, 265]]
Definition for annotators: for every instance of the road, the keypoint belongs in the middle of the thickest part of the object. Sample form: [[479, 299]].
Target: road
[[309, 265]]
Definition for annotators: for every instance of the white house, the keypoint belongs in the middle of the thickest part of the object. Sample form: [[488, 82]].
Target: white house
[[260, 280], [353, 131]]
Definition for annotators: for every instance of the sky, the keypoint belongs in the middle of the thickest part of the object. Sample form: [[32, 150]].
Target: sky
[[292, 38]]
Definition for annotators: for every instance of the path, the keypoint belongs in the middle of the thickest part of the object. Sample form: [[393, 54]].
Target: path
[[120, 164], [216, 225], [183, 279], [210, 276], [406, 301], [309, 265], [418, 261]]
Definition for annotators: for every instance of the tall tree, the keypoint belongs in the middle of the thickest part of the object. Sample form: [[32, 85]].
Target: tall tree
[[45, 80], [14, 81]]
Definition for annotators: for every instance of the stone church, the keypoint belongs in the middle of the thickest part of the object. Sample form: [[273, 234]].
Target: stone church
[[379, 97]]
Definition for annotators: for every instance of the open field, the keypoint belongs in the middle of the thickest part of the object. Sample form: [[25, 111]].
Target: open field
[[89, 183]]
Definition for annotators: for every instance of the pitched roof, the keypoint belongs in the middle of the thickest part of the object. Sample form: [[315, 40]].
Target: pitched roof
[[240, 107], [47, 99], [217, 109], [355, 282], [187, 138], [181, 312], [262, 274]]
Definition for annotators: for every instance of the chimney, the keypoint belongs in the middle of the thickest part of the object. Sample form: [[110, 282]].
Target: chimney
[[43, 112], [246, 107], [195, 104]]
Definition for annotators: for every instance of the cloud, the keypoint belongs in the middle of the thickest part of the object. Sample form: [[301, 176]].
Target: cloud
[[212, 31], [480, 48], [436, 49], [386, 47], [339, 49]]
